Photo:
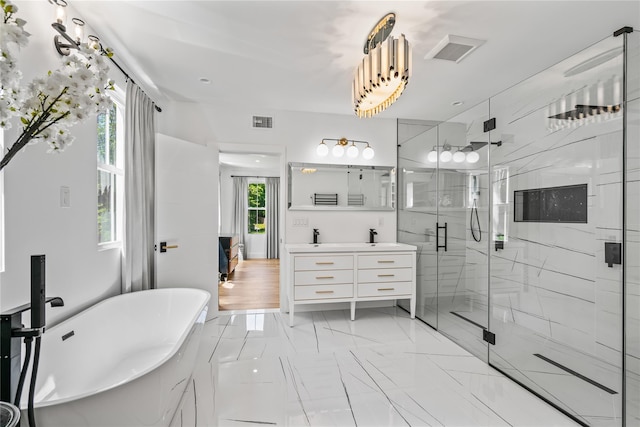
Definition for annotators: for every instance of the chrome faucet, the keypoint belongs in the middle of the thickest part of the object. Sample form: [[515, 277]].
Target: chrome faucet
[[316, 233], [372, 233]]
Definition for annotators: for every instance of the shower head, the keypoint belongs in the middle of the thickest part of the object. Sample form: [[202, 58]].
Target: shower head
[[582, 111], [474, 146]]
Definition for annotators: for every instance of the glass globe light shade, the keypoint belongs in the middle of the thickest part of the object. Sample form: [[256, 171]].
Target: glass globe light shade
[[473, 157], [338, 150], [368, 153], [322, 149], [352, 151], [446, 156], [459, 157], [432, 156]]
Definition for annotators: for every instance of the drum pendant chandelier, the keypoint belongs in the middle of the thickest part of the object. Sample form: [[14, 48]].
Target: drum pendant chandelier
[[384, 71]]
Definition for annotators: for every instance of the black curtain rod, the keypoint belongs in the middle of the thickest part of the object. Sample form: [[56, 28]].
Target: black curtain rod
[[158, 109], [252, 176]]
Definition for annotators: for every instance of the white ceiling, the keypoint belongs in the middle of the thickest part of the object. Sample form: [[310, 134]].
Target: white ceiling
[[300, 55], [248, 163]]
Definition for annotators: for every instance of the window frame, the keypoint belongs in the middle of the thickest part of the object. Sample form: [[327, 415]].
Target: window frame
[[256, 208], [116, 172]]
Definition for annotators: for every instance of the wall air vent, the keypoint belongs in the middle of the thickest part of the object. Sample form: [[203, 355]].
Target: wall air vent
[[454, 48], [262, 122]]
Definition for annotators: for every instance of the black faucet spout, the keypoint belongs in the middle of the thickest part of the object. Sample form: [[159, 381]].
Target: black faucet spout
[[372, 233], [316, 233], [55, 301]]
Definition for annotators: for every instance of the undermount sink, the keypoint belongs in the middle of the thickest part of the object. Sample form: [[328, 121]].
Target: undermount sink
[[347, 247]]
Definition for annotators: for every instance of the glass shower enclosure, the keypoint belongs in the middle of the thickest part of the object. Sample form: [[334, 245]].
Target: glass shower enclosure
[[525, 213]]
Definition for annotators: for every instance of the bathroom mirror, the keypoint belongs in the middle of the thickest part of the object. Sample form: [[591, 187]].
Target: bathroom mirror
[[341, 187]]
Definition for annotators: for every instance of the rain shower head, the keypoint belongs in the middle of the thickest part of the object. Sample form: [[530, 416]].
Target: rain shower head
[[582, 111], [474, 146]]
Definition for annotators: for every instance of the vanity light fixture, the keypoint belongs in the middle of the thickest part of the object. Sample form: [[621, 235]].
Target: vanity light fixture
[[384, 72], [465, 153], [338, 149]]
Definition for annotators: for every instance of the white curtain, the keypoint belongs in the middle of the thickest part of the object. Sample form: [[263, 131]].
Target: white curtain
[[139, 191], [273, 203], [239, 219]]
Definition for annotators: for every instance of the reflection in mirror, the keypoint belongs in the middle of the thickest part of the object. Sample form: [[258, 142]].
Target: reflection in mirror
[[336, 187]]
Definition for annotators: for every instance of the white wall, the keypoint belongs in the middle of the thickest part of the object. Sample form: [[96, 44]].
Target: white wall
[[299, 134], [77, 270]]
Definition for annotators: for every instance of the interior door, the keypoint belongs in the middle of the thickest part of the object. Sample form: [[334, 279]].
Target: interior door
[[186, 212]]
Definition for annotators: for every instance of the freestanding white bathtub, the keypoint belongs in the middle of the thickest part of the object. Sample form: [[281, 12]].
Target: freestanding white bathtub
[[123, 362]]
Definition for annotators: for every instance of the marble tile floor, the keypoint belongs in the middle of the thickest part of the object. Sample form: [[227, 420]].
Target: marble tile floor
[[383, 369]]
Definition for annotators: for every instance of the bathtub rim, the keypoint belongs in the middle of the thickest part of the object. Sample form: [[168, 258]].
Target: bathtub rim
[[179, 343]]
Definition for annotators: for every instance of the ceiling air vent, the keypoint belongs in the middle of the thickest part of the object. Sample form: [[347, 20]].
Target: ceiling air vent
[[454, 48], [262, 122]]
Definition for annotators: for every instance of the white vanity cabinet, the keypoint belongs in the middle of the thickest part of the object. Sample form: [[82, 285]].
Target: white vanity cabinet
[[350, 272]]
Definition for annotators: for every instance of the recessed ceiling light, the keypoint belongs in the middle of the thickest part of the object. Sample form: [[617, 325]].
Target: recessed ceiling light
[[205, 80], [257, 161], [457, 103]]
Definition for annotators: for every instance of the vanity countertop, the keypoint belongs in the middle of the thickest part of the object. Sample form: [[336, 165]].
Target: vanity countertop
[[348, 247]]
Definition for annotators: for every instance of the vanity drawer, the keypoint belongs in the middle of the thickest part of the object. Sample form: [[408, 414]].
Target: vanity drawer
[[384, 290], [379, 275], [323, 292], [385, 261], [323, 277], [323, 262]]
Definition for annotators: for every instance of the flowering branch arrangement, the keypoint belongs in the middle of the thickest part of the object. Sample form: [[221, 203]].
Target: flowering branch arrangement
[[49, 105]]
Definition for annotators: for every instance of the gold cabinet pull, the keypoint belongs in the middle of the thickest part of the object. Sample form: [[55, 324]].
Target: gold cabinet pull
[[324, 292], [384, 261], [324, 277], [324, 263], [386, 275], [386, 289]]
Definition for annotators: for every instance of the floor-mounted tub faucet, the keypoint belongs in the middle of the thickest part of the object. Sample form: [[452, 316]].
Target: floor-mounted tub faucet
[[372, 233], [316, 233], [12, 332]]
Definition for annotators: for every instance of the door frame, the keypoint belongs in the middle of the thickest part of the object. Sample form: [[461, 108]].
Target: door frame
[[271, 149]]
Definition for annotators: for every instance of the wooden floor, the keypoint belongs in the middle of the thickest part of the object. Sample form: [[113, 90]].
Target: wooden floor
[[255, 283]]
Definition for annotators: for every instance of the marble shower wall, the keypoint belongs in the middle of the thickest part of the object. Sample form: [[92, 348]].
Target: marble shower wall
[[633, 231], [551, 292], [551, 278]]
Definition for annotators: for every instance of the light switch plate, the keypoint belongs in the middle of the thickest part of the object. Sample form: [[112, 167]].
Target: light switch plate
[[300, 222], [65, 197]]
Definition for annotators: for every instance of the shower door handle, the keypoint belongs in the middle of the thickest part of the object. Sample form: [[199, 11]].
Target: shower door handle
[[438, 246]]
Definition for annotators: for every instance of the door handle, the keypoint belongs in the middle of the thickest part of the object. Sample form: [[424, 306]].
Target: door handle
[[438, 246], [164, 246]]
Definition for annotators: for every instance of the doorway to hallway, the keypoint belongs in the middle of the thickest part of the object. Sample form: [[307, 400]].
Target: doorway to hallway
[[254, 283], [249, 218]]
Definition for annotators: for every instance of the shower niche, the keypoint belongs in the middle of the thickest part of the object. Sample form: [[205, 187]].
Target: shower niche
[[555, 204]]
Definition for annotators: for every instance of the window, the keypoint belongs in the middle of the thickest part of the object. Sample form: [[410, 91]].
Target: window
[[257, 208], [110, 151]]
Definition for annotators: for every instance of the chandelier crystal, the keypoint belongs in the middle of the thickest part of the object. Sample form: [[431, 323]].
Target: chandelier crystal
[[384, 72]]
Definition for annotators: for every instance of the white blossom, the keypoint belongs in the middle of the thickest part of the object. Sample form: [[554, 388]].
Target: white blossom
[[48, 106]]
